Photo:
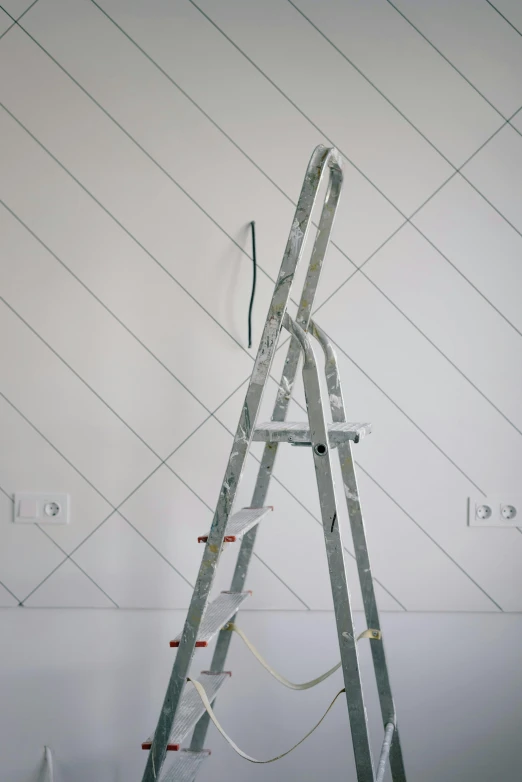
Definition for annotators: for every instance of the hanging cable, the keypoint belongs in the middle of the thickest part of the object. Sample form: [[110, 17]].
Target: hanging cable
[[254, 277], [281, 679], [203, 695], [370, 633], [376, 635]]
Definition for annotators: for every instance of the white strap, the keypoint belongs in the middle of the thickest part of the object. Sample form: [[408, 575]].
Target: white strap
[[203, 695], [376, 634]]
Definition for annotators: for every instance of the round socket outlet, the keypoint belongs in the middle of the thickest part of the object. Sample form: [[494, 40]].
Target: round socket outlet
[[508, 511], [52, 509], [483, 512]]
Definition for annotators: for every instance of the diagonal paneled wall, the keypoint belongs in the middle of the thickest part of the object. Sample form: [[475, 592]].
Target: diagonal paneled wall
[[138, 140]]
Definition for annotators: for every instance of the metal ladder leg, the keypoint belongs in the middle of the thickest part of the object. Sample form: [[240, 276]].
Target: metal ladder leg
[[323, 159], [335, 554], [361, 554], [284, 395]]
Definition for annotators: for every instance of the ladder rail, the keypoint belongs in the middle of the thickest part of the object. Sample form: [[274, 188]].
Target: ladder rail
[[335, 555], [323, 159], [385, 751], [357, 527], [284, 394]]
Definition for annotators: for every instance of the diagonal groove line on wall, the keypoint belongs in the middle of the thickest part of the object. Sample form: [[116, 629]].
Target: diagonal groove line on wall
[[15, 20], [105, 307], [129, 331], [504, 17], [117, 508], [426, 435], [1, 36], [312, 515], [114, 508], [372, 381], [212, 511], [49, 537], [435, 543], [313, 124], [439, 546], [477, 389], [419, 208], [419, 330], [144, 151], [155, 163], [48, 576], [1, 582], [164, 461], [351, 161], [422, 35], [210, 119], [161, 462], [126, 231], [275, 478], [274, 183], [373, 85], [373, 283], [11, 593], [445, 257], [288, 491], [79, 568], [77, 374], [79, 183], [68, 557], [398, 505]]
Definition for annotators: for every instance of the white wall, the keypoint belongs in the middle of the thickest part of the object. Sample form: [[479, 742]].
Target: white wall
[[137, 141], [129, 178], [89, 684]]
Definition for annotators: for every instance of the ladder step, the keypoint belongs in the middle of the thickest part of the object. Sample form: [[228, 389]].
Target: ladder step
[[185, 767], [190, 708], [240, 523], [217, 614], [286, 432]]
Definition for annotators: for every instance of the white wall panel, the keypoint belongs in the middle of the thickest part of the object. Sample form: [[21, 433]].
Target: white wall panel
[[138, 141], [477, 41], [413, 77]]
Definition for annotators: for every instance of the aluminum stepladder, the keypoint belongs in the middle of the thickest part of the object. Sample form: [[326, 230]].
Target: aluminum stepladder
[[182, 710]]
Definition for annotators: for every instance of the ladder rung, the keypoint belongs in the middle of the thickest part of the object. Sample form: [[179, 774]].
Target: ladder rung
[[191, 708], [217, 614], [286, 432], [185, 767], [240, 523]]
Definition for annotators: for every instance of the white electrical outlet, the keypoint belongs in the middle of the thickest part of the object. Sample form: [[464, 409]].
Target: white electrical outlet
[[39, 508], [498, 511]]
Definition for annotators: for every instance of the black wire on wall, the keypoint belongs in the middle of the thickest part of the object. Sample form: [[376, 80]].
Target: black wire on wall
[[254, 278]]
